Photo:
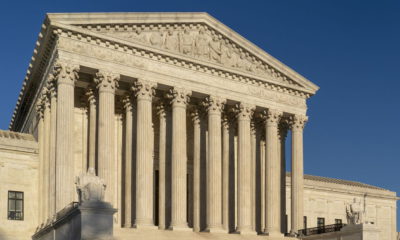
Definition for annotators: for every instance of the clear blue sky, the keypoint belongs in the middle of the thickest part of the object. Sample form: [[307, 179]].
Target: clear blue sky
[[350, 49]]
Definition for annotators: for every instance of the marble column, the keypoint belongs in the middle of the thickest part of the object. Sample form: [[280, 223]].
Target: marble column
[[273, 176], [91, 99], [106, 82], [127, 101], [179, 101], [53, 136], [297, 204], [46, 167], [225, 173], [282, 132], [253, 159], [39, 111], [263, 183], [144, 92], [214, 107], [196, 170], [65, 74], [162, 158], [245, 112]]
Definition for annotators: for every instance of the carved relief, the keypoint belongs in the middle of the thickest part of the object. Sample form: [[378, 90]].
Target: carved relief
[[106, 81], [200, 42]]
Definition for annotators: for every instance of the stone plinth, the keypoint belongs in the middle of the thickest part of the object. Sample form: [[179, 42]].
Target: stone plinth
[[87, 221]]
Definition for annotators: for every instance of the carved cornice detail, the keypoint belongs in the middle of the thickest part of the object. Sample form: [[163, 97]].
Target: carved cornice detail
[[66, 73], [179, 96], [144, 90], [297, 122], [106, 81]]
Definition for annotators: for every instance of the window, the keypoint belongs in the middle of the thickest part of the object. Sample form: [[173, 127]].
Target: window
[[15, 205], [338, 221], [305, 222]]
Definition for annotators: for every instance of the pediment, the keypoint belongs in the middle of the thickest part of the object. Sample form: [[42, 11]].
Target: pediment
[[191, 35]]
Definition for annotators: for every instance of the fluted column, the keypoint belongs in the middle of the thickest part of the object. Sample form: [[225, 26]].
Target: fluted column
[[91, 99], [297, 204], [46, 167], [162, 157], [282, 132], [225, 173], [244, 170], [179, 98], [127, 101], [263, 182], [273, 176], [39, 111], [66, 74], [144, 155], [53, 136], [196, 170], [253, 142], [106, 82], [214, 107]]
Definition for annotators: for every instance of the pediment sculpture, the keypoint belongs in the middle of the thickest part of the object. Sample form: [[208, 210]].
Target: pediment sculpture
[[90, 187], [200, 42], [355, 212]]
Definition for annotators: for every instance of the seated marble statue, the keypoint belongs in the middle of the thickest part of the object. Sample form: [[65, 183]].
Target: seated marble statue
[[90, 187], [354, 212]]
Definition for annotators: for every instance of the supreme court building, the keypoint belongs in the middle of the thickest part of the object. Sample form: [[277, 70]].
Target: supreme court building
[[185, 121]]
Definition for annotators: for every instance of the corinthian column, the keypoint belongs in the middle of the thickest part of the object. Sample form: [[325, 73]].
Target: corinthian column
[[106, 84], [128, 160], [273, 176], [39, 111], [91, 98], [297, 126], [214, 167], [65, 74], [179, 98], [225, 173], [282, 132], [46, 172], [244, 170], [53, 135], [196, 170], [144, 155], [162, 114]]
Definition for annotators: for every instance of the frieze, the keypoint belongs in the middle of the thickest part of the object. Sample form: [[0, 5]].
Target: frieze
[[277, 97], [194, 40]]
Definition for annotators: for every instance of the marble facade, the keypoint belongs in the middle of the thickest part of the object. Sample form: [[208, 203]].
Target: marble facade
[[184, 119]]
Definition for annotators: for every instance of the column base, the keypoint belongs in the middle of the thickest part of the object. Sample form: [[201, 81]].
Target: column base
[[275, 234], [146, 227], [246, 231], [127, 225], [217, 230], [182, 228]]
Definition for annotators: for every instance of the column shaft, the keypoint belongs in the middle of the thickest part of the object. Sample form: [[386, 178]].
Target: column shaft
[[179, 159], [53, 135], [263, 185], [297, 203], [144, 156], [39, 110], [244, 171], [273, 176], [66, 76], [162, 167], [128, 162], [92, 127], [225, 175], [106, 83], [196, 171], [46, 173], [214, 165]]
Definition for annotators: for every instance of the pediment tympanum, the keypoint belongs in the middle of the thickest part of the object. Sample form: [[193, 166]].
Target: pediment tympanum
[[192, 35]]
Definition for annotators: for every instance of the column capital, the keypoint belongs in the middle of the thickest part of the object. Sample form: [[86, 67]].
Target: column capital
[[51, 85], [65, 73], [272, 117], [195, 115], [283, 128], [106, 81], [162, 107], [39, 108], [127, 103], [244, 111], [90, 95], [213, 104], [144, 90], [179, 96], [297, 122]]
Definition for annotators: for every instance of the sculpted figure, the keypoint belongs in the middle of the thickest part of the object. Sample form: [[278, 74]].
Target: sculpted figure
[[156, 39], [139, 36], [186, 42], [215, 49], [171, 41], [354, 212], [201, 45], [242, 62], [90, 187], [227, 55]]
